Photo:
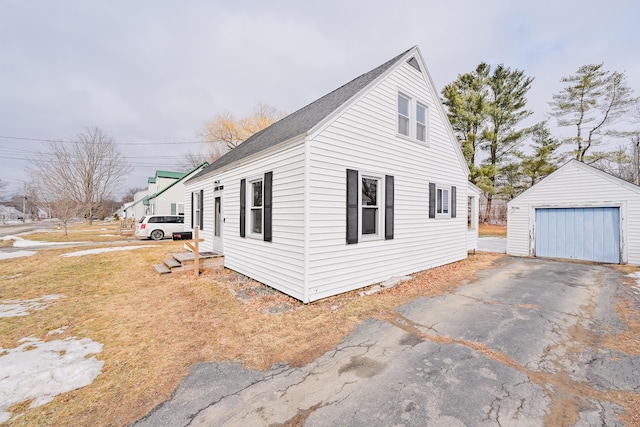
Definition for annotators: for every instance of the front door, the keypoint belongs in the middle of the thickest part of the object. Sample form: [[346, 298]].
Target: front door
[[218, 223]]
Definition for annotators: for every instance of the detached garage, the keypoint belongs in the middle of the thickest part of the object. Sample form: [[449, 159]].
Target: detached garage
[[578, 212]]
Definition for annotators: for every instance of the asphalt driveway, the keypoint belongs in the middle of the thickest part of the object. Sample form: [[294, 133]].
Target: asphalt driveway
[[520, 346]]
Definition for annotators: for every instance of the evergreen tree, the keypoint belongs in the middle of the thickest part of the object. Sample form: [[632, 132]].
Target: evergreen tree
[[485, 109], [592, 100], [544, 159]]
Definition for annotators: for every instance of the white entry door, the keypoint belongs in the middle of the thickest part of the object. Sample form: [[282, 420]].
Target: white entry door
[[218, 222]]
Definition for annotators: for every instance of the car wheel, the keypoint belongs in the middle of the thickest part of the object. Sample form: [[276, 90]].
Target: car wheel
[[157, 235]]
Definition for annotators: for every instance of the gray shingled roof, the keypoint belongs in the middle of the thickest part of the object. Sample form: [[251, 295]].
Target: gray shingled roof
[[301, 121]]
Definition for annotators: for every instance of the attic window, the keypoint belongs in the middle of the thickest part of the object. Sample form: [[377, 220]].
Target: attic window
[[414, 63]]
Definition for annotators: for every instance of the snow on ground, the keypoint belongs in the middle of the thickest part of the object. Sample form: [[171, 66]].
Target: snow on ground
[[636, 287], [100, 250], [16, 254], [39, 371], [13, 308], [19, 242]]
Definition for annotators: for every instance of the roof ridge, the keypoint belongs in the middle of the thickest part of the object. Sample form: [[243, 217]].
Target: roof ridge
[[302, 120]]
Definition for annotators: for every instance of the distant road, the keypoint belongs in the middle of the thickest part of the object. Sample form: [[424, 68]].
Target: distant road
[[10, 229]]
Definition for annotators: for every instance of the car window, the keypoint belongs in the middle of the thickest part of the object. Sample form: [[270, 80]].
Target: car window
[[142, 219], [156, 219]]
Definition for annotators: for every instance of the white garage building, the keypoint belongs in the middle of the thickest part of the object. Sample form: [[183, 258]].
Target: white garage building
[[577, 212]]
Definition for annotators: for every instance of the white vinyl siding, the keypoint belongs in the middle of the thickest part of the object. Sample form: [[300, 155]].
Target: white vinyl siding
[[279, 263], [365, 138], [575, 186]]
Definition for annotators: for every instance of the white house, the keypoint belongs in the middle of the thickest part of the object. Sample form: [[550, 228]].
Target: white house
[[166, 192], [136, 208], [366, 183], [9, 213], [577, 212]]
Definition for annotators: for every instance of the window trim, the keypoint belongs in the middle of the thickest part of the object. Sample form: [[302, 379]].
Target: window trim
[[354, 209], [251, 208], [399, 115], [414, 104], [425, 124], [378, 207], [439, 205]]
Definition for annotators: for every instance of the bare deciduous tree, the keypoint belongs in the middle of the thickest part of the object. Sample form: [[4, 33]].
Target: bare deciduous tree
[[80, 173], [231, 131], [3, 185]]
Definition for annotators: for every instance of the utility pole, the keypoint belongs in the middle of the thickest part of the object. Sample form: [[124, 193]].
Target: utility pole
[[636, 159], [24, 204]]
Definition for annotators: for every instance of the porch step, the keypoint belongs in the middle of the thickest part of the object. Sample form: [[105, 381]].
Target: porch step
[[172, 263], [184, 261], [162, 268]]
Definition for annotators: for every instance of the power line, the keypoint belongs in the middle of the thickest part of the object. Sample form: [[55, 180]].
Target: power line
[[20, 138]]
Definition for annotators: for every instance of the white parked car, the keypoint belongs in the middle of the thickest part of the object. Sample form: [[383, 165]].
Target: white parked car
[[157, 227]]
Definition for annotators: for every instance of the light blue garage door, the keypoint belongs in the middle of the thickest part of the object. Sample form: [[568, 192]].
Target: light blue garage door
[[590, 234]]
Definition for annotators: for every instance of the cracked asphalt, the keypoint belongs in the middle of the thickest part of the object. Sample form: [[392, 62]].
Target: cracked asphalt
[[519, 346]]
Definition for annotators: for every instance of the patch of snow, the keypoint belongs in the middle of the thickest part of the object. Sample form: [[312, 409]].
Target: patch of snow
[[106, 235], [636, 288], [14, 276], [19, 242], [58, 331], [39, 371], [16, 254], [101, 250], [14, 308]]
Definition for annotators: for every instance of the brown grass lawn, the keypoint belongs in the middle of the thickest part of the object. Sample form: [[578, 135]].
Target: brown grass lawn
[[492, 230], [154, 328]]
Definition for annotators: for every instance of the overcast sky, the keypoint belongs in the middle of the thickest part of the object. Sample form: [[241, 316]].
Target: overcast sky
[[150, 73]]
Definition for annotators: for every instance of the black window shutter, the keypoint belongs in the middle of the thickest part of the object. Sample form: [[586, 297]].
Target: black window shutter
[[352, 206], [432, 200], [268, 179], [243, 209], [201, 202], [193, 210], [388, 207], [453, 202]]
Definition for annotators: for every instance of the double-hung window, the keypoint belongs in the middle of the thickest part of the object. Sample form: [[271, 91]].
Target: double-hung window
[[421, 122], [256, 207], [370, 202], [413, 118], [403, 115], [442, 207], [442, 201], [370, 210]]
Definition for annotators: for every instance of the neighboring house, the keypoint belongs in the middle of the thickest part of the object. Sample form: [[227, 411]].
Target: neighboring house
[[9, 213], [577, 212], [136, 208], [167, 197], [366, 183]]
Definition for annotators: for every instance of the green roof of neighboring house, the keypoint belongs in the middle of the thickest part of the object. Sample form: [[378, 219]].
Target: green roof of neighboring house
[[152, 180], [168, 174], [183, 176]]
